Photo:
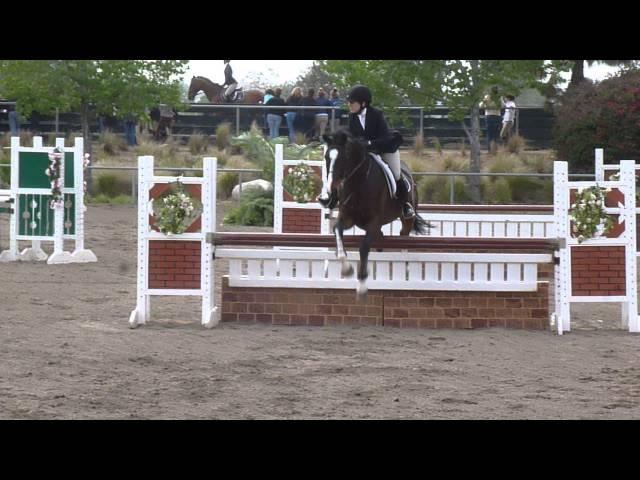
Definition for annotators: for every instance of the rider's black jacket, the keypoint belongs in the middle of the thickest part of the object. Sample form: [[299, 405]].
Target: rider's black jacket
[[375, 130]]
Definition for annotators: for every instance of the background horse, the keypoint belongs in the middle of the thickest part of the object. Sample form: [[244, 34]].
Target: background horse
[[215, 92], [364, 199]]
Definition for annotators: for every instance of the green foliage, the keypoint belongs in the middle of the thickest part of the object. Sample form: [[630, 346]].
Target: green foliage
[[606, 115], [107, 184], [262, 151], [104, 199], [112, 143], [223, 135], [256, 208], [438, 190], [496, 191], [198, 143], [131, 85], [226, 182], [5, 172], [113, 184]]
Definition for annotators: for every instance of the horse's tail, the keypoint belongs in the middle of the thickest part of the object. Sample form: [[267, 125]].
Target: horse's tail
[[420, 225]]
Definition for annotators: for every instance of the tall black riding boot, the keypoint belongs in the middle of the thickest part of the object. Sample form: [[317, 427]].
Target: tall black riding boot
[[402, 193]]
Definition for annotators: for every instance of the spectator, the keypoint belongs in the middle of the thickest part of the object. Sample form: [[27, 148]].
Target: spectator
[[322, 116], [167, 117], [336, 101], [130, 130], [274, 117], [509, 117], [267, 95], [306, 118], [293, 100], [491, 107], [12, 114]]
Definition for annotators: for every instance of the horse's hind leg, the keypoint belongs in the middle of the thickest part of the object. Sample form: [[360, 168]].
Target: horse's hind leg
[[347, 269]]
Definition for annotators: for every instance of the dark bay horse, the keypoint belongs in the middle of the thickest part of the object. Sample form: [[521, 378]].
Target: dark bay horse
[[364, 199], [215, 92]]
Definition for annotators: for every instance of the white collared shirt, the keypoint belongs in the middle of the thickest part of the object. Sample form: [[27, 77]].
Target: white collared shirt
[[362, 115]]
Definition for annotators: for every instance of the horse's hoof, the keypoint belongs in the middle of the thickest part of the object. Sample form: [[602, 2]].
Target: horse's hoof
[[347, 270]]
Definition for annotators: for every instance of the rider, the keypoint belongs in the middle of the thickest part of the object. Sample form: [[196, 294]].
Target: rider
[[229, 82], [368, 123]]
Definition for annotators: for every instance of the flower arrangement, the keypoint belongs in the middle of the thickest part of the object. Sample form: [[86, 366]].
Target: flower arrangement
[[53, 172], [588, 213], [300, 183], [176, 208]]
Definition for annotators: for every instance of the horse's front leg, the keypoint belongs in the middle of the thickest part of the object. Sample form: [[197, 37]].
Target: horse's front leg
[[363, 270], [338, 229]]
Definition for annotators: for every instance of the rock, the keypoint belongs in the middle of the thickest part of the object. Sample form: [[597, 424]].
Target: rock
[[263, 184]]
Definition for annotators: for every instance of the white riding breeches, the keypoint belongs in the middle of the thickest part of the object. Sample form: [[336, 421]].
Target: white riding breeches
[[230, 89], [393, 160]]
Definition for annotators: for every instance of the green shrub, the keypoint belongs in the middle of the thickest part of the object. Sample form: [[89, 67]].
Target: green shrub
[[496, 191], [516, 144], [112, 185], [256, 208], [112, 143], [5, 172], [198, 143], [223, 135], [438, 190], [226, 182]]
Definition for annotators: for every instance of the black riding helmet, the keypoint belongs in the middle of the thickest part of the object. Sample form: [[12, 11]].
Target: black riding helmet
[[360, 94]]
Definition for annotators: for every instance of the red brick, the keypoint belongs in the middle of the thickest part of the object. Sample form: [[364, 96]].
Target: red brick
[[427, 323], [229, 317], [479, 323], [444, 323]]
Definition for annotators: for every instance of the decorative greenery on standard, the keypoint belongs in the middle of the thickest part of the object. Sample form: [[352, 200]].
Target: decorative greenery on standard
[[176, 209], [300, 183], [588, 213]]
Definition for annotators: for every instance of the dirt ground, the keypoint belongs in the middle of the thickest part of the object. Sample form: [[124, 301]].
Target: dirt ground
[[66, 352]]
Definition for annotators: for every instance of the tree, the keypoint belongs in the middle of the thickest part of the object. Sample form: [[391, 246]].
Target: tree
[[577, 69], [605, 115], [315, 77], [78, 85], [461, 84]]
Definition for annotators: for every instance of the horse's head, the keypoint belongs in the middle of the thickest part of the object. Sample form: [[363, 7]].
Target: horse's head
[[344, 154], [194, 88]]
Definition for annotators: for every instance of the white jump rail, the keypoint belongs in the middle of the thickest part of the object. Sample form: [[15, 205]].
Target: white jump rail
[[388, 270]]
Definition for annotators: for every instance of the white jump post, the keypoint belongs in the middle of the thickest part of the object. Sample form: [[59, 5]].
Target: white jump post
[[31, 191], [146, 182], [564, 290]]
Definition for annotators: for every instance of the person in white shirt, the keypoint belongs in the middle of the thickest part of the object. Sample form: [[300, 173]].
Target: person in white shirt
[[509, 117]]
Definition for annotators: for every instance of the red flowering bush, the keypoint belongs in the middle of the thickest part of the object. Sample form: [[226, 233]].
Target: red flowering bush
[[605, 115]]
